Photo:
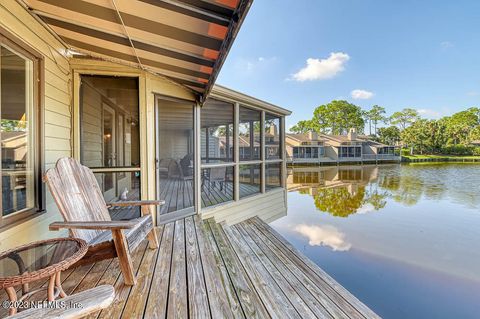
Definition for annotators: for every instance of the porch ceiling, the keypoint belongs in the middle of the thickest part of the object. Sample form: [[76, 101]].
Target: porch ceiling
[[184, 40]]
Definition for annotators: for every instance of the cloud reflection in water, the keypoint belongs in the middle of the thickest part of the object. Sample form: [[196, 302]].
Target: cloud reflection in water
[[325, 235]]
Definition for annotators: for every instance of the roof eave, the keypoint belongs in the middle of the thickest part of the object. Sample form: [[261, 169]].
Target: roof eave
[[222, 92], [234, 27]]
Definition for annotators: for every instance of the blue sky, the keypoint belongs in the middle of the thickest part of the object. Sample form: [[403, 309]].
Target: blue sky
[[421, 54]]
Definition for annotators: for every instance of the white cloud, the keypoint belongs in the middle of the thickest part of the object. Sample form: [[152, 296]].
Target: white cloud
[[446, 45], [473, 93], [321, 69], [325, 235], [361, 94]]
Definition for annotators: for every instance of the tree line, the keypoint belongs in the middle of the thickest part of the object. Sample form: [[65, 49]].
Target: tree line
[[448, 135]]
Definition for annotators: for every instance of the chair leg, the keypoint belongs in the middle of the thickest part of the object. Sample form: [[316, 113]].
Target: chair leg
[[126, 265], [152, 234]]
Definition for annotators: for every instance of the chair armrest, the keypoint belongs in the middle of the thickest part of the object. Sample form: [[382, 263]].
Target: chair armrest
[[138, 203], [120, 224]]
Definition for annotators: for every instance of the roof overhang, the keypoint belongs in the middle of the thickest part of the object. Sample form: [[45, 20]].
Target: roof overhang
[[226, 94], [186, 41]]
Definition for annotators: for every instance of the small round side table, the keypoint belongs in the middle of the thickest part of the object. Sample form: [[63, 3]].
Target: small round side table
[[35, 261]]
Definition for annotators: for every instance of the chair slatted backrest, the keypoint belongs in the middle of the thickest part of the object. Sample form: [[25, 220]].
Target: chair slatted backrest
[[77, 194]]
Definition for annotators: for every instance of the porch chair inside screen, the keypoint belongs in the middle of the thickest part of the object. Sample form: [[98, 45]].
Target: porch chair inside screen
[[217, 174], [85, 213]]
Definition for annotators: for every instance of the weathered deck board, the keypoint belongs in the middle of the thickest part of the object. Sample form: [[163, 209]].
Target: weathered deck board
[[177, 297], [206, 270], [250, 302], [158, 296], [197, 294], [221, 293], [272, 296]]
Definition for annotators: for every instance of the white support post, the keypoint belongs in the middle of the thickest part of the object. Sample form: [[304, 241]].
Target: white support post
[[197, 158], [282, 152], [262, 152], [236, 155]]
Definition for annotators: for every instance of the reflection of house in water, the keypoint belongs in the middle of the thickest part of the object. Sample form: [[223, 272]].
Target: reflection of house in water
[[340, 191], [312, 178]]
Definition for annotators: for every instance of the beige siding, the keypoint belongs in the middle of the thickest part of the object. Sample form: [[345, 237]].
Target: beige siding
[[57, 112], [91, 115], [268, 206]]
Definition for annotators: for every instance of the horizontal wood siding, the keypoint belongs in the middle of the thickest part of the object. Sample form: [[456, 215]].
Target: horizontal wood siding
[[91, 118], [267, 206]]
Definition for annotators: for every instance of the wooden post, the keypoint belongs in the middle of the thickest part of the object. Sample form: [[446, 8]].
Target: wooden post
[[236, 173], [124, 259], [152, 235]]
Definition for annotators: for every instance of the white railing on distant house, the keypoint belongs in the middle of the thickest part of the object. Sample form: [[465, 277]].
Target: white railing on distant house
[[380, 157]]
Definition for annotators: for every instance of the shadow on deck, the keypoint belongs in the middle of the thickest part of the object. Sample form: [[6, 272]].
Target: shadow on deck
[[207, 270]]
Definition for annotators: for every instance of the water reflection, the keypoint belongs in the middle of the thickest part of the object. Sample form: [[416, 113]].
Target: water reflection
[[343, 191], [326, 235], [411, 230]]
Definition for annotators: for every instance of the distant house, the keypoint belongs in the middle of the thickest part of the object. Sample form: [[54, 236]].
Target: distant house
[[323, 148], [475, 143], [308, 147]]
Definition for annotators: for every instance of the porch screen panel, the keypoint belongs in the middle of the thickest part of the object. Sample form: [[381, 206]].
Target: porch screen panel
[[273, 175], [16, 132], [273, 148], [217, 152], [249, 134], [249, 182], [176, 155], [109, 134], [216, 132], [217, 185]]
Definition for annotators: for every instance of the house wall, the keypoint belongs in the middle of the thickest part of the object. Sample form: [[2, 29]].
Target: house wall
[[268, 206], [61, 113], [56, 112], [368, 150], [331, 152]]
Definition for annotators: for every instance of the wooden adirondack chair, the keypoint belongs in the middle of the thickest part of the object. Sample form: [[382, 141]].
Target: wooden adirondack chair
[[85, 214]]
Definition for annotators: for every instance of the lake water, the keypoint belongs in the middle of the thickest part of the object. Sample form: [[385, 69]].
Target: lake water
[[404, 239]]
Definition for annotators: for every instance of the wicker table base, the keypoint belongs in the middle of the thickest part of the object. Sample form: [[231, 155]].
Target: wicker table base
[[54, 289]]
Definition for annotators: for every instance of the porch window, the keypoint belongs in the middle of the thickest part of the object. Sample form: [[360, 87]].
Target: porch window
[[249, 182], [273, 176], [217, 153], [226, 128], [20, 174], [350, 151], [272, 137], [109, 134], [249, 134]]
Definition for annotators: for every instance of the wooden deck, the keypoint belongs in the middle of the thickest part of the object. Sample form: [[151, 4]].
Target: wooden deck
[[178, 194], [207, 270]]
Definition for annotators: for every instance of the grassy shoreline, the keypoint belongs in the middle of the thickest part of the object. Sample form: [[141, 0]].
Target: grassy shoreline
[[440, 158]]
